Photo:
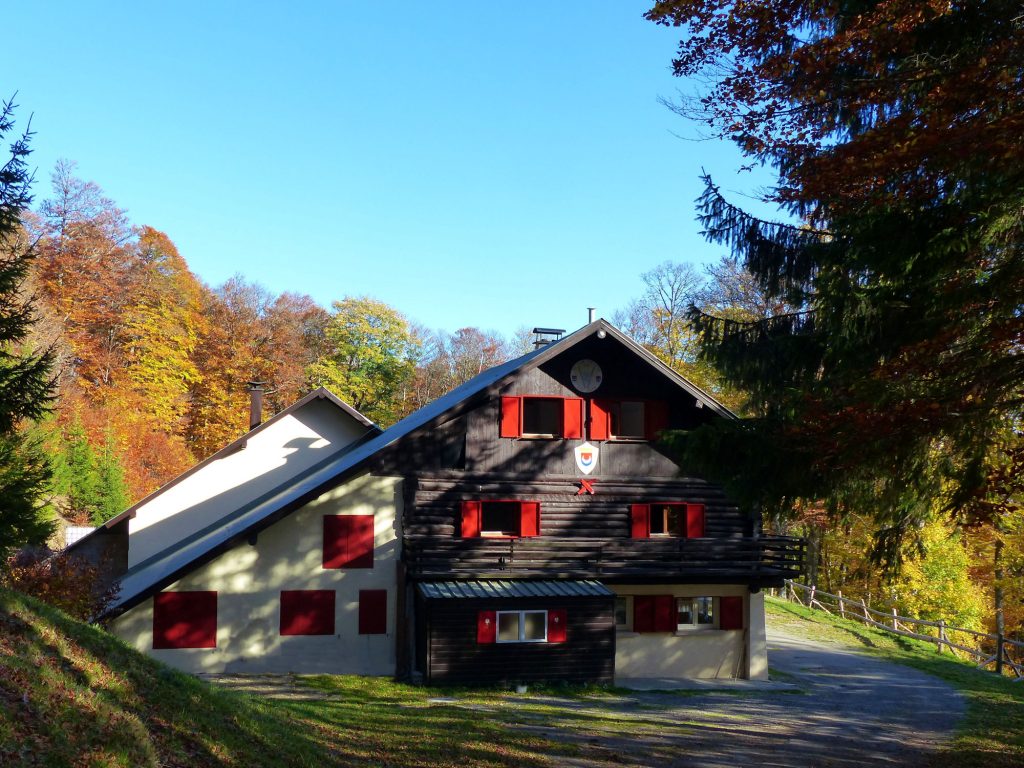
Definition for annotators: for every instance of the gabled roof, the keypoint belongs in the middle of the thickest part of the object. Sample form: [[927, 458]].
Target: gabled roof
[[317, 394], [179, 558]]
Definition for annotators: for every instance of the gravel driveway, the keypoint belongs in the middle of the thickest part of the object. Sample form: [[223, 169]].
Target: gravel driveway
[[844, 710]]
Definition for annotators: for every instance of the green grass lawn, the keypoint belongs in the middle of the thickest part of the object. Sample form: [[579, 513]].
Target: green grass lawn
[[991, 734]]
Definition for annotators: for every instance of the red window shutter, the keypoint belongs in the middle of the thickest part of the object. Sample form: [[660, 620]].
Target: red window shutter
[[730, 613], [556, 626], [373, 611], [470, 519], [487, 627], [185, 620], [307, 612], [640, 520], [529, 518], [643, 613], [599, 419], [572, 419], [348, 541], [665, 618], [511, 418], [694, 521], [655, 418]]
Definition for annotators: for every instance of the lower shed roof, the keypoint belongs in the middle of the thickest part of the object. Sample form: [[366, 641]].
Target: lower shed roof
[[448, 590]]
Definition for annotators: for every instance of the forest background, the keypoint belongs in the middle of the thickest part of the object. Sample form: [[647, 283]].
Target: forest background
[[153, 366]]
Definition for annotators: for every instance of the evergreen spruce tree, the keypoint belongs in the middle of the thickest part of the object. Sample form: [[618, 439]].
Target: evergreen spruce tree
[[26, 384], [111, 486], [895, 384]]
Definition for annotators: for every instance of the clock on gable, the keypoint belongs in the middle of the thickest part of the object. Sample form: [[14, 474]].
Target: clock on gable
[[585, 375]]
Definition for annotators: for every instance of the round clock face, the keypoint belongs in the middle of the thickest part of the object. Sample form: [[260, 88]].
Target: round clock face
[[586, 375]]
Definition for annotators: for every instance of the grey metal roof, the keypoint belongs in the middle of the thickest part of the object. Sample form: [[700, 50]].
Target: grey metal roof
[[447, 590]]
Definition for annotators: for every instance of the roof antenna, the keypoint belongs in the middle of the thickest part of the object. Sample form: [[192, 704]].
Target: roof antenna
[[590, 314]]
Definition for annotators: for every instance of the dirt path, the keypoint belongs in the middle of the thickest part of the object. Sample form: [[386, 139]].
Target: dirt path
[[847, 710]]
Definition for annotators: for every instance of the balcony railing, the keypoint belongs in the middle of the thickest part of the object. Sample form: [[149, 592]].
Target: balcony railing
[[765, 560]]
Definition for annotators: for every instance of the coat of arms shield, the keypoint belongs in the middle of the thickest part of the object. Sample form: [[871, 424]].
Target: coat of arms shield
[[586, 457]]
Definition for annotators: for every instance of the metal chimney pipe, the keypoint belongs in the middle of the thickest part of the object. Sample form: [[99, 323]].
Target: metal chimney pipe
[[255, 403], [590, 314]]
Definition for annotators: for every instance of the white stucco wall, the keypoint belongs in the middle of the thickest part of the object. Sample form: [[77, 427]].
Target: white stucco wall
[[295, 442], [696, 653], [288, 555]]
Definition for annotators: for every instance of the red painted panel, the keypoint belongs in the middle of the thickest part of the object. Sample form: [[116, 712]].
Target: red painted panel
[[307, 612], [556, 626], [470, 519], [600, 423], [730, 613], [694, 521], [655, 418], [665, 618], [511, 418], [348, 541], [185, 620], [572, 419], [529, 521], [640, 520], [643, 613], [373, 611], [487, 627]]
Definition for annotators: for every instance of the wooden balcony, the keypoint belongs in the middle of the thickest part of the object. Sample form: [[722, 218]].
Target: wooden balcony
[[763, 561]]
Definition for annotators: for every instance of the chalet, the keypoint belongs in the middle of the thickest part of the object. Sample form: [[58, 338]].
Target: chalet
[[523, 527]]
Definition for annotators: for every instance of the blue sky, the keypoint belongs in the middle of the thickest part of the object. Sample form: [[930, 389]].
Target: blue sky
[[472, 164]]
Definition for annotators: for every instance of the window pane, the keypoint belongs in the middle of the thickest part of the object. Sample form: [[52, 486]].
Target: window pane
[[542, 416], [631, 419], [685, 608], [705, 614], [621, 612], [661, 520], [508, 627], [536, 625], [500, 517]]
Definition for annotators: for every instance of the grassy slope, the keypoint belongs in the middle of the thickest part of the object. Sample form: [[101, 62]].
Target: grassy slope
[[72, 695], [992, 731]]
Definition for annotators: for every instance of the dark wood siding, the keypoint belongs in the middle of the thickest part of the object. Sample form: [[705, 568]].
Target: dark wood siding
[[455, 657]]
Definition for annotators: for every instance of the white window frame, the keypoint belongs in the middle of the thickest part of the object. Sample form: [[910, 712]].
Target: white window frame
[[522, 626], [694, 626]]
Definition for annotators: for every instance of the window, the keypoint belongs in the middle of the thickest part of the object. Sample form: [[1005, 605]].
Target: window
[[185, 620], [522, 626], [307, 612], [373, 611], [550, 626], [695, 613], [539, 417], [348, 541], [622, 621], [627, 419], [500, 518], [667, 519]]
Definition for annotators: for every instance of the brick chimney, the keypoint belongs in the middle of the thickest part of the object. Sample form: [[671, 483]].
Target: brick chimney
[[256, 403]]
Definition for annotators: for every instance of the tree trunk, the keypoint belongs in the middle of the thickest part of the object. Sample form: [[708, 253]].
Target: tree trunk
[[997, 591]]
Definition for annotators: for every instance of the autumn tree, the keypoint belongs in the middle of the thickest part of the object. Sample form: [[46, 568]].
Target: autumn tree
[[25, 374], [370, 357], [895, 129]]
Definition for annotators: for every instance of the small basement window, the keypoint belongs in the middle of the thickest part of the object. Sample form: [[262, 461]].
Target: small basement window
[[695, 613], [522, 626], [622, 614]]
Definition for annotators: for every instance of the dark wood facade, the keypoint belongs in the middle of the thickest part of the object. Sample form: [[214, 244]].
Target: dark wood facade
[[461, 457], [450, 653]]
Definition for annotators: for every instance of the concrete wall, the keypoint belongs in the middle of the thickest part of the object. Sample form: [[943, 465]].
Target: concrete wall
[[696, 653], [288, 555], [279, 451]]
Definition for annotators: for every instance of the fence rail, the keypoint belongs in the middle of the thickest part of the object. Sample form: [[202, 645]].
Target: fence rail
[[989, 649]]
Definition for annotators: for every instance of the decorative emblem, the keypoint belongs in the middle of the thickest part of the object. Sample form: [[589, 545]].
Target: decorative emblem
[[585, 375], [586, 457]]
